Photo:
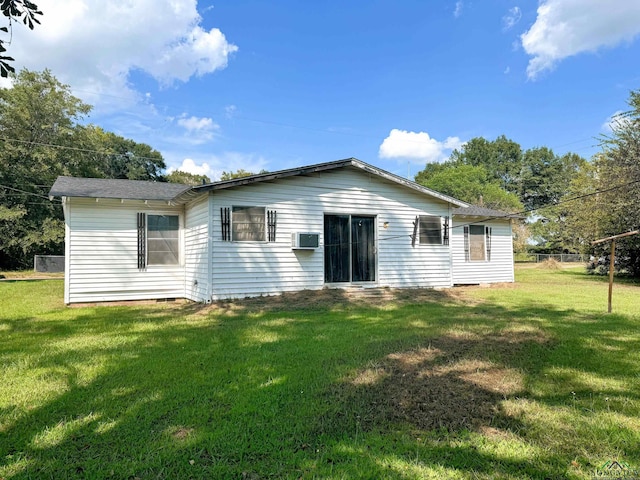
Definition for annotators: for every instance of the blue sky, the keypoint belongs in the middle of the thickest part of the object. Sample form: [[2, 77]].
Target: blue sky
[[269, 85]]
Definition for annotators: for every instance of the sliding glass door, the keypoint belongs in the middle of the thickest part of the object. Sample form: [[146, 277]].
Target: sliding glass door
[[349, 248]]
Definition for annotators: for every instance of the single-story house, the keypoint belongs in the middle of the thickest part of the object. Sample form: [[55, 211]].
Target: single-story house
[[341, 223]]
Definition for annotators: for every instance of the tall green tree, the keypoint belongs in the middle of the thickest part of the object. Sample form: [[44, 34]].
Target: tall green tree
[[38, 117], [469, 183], [618, 183], [114, 156], [502, 159], [43, 137]]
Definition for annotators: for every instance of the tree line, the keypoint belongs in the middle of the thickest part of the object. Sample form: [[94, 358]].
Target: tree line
[[41, 137], [568, 201]]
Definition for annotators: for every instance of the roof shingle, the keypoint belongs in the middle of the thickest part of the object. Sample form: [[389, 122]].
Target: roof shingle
[[110, 188]]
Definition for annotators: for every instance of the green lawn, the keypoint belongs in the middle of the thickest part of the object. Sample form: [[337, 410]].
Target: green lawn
[[531, 380]]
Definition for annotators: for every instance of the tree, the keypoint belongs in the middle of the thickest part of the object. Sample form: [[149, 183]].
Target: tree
[[15, 10], [617, 181], [42, 138], [36, 114], [502, 159], [118, 157], [186, 178], [240, 173], [471, 184]]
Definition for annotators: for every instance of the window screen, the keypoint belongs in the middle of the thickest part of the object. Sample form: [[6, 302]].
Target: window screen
[[477, 248], [248, 224], [430, 230], [163, 240]]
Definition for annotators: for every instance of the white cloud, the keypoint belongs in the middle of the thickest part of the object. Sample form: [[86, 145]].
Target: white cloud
[[199, 129], [567, 27], [614, 122], [511, 18], [507, 71], [197, 124], [93, 45], [214, 165], [418, 147], [458, 10]]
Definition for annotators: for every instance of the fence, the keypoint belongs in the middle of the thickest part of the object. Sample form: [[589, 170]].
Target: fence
[[560, 257], [48, 263]]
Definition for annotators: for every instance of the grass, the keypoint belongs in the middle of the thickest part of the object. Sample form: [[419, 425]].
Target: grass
[[531, 380]]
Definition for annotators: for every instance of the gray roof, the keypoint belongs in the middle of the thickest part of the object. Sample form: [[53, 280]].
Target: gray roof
[[179, 194], [322, 167], [121, 189], [488, 213]]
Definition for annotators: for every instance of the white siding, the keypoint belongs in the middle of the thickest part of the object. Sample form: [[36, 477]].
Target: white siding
[[255, 268], [196, 253], [102, 246], [498, 269]]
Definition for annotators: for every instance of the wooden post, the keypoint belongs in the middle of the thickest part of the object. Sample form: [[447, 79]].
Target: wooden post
[[612, 261]]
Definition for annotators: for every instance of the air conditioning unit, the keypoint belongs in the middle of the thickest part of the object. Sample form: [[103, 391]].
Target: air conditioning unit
[[305, 241]]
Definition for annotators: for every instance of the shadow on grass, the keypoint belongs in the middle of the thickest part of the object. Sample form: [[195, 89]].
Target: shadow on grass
[[334, 387]]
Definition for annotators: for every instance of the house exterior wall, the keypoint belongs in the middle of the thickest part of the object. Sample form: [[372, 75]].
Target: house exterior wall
[[242, 269], [102, 246], [197, 260], [498, 269]]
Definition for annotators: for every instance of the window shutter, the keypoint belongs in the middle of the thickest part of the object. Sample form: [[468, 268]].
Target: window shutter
[[271, 225], [142, 240], [488, 235], [415, 231], [225, 221], [445, 234], [466, 243]]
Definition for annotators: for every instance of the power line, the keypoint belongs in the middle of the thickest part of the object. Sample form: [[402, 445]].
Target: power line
[[26, 192], [75, 149]]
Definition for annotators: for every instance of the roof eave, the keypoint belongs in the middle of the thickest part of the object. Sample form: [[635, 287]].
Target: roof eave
[[321, 167]]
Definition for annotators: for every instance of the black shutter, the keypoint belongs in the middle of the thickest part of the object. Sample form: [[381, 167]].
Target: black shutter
[[271, 225], [225, 221], [466, 243], [445, 234], [142, 240], [416, 223], [488, 235]]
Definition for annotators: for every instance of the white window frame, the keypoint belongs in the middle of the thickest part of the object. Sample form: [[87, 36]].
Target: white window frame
[[179, 261]]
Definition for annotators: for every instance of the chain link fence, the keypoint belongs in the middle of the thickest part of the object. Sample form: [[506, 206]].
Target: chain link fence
[[48, 263], [560, 257]]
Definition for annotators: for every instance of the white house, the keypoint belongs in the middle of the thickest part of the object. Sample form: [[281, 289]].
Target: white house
[[327, 225]]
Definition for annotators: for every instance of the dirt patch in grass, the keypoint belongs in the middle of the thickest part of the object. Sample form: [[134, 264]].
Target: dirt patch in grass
[[331, 298], [454, 382]]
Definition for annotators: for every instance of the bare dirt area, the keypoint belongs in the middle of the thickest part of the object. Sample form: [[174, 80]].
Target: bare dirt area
[[453, 383], [331, 298]]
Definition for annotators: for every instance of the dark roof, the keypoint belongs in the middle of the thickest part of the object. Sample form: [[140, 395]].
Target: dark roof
[[179, 194], [122, 189], [488, 213], [322, 167]]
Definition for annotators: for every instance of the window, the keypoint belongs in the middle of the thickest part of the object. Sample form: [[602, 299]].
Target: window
[[430, 230], [477, 243], [163, 240], [248, 224]]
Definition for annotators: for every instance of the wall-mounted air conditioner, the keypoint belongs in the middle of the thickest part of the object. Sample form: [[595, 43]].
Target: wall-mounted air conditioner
[[305, 241]]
